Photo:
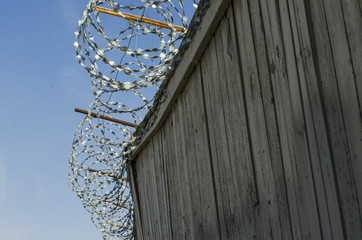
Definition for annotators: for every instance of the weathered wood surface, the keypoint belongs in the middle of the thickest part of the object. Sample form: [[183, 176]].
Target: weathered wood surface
[[264, 139]]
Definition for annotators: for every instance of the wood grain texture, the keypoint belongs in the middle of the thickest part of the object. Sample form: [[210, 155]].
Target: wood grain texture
[[142, 190], [135, 195], [320, 156], [234, 179], [351, 11], [265, 74], [291, 123], [330, 40], [160, 175], [345, 76], [199, 163], [264, 172]]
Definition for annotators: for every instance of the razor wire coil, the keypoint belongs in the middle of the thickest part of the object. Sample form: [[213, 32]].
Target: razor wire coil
[[127, 61]]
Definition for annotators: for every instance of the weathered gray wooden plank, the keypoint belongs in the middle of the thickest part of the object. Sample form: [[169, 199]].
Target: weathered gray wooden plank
[[185, 181], [145, 192], [229, 198], [310, 215], [218, 141], [193, 210], [135, 196], [264, 72], [302, 51], [150, 197], [236, 109], [273, 44], [151, 194], [326, 54], [258, 129], [155, 194], [320, 156], [189, 161], [234, 180], [353, 22], [300, 185], [204, 217], [170, 143], [140, 185], [346, 86], [162, 186]]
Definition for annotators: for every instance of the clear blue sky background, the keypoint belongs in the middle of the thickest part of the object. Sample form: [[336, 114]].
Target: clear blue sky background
[[40, 84]]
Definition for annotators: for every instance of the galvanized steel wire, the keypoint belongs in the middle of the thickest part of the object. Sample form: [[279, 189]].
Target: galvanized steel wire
[[127, 61]]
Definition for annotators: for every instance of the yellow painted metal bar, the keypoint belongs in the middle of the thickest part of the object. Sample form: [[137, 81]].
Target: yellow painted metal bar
[[116, 204], [137, 18], [116, 225]]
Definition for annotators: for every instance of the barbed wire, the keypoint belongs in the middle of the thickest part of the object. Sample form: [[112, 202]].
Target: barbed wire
[[128, 60]]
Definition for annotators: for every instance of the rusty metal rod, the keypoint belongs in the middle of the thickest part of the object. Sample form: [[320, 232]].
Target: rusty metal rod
[[107, 118], [137, 18], [116, 225], [105, 173], [116, 204]]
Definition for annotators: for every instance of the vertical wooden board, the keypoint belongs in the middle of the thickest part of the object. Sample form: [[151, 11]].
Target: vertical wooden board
[[271, 29], [191, 194], [197, 162], [301, 44], [167, 187], [346, 85], [234, 179], [345, 74], [145, 188], [232, 207], [185, 180], [333, 110], [218, 143], [162, 186], [151, 194], [187, 137], [353, 22], [170, 143], [304, 153], [264, 72], [300, 184], [321, 161], [258, 130], [155, 194], [307, 192], [141, 193], [270, 225], [135, 195]]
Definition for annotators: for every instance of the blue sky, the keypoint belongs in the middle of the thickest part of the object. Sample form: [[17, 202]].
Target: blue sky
[[41, 83]]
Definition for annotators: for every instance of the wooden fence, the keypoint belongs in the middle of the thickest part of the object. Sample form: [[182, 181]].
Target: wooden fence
[[261, 137]]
